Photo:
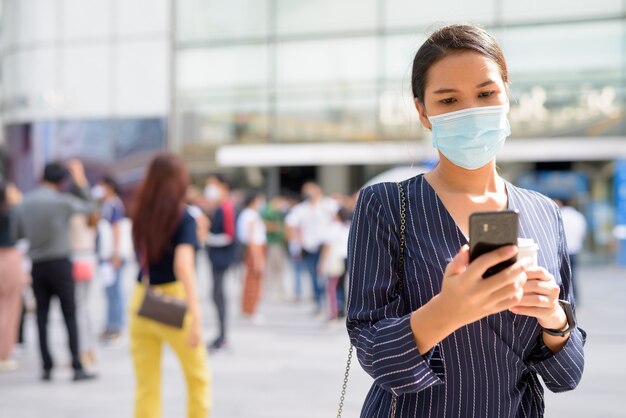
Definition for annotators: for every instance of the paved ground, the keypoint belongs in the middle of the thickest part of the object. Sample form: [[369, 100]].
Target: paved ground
[[292, 366]]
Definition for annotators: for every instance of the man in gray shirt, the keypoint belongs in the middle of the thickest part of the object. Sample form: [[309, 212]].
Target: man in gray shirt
[[43, 219]]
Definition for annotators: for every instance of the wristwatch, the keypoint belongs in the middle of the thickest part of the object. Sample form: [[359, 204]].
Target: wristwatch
[[571, 321]]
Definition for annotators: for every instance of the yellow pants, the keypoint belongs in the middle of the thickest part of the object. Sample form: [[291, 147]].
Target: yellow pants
[[146, 342]]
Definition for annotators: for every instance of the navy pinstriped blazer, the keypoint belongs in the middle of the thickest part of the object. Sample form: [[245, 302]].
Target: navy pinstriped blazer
[[489, 368]]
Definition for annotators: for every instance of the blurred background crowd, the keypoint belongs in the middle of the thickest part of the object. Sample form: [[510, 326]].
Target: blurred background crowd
[[301, 239]]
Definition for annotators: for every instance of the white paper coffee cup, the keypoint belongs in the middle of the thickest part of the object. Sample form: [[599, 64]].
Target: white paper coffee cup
[[527, 248]]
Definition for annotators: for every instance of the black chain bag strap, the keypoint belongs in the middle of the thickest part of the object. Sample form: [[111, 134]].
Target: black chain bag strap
[[394, 398]]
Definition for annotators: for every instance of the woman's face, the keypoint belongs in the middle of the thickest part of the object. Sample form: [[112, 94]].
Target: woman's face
[[460, 81]]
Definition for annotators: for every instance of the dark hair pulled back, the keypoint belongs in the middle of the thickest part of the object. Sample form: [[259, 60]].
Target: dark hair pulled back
[[449, 40]]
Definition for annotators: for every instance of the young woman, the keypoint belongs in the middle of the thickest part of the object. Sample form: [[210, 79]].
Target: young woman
[[446, 342], [165, 239]]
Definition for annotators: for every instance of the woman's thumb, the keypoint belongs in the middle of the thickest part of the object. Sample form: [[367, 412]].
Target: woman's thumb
[[459, 263]]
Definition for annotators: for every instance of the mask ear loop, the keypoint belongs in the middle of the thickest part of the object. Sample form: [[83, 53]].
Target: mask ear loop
[[424, 161], [510, 98], [416, 102], [433, 140]]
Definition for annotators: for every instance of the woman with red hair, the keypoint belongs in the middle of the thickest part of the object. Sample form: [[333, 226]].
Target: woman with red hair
[[164, 234]]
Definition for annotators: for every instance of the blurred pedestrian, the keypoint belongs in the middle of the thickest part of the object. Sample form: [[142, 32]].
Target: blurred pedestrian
[[252, 234], [28, 296], [294, 248], [12, 277], [194, 201], [575, 227], [310, 221], [221, 246], [21, 340], [112, 262], [164, 233], [334, 263], [43, 219], [273, 215], [83, 246]]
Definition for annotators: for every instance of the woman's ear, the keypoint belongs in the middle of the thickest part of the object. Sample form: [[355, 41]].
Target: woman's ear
[[423, 115]]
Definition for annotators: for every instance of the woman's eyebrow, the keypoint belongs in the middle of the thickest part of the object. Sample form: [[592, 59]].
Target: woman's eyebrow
[[485, 83], [445, 90]]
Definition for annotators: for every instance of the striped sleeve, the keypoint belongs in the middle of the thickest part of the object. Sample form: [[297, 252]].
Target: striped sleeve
[[377, 326], [563, 370]]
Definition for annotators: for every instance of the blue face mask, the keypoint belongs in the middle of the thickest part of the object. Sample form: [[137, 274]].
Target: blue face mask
[[472, 137]]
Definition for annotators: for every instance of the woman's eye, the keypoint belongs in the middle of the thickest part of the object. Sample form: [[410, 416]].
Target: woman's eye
[[486, 93], [449, 100]]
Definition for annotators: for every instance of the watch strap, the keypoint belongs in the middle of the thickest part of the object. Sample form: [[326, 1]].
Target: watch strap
[[571, 321]]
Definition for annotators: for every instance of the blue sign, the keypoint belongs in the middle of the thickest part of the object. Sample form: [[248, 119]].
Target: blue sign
[[620, 192], [620, 210], [555, 184]]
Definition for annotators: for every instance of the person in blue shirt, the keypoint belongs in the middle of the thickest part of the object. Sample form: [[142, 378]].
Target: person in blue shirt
[[112, 212], [442, 341]]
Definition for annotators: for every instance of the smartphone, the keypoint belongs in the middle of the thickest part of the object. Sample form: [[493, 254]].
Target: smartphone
[[490, 231]]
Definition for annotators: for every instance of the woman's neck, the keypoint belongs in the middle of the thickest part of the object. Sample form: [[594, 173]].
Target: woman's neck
[[455, 179]]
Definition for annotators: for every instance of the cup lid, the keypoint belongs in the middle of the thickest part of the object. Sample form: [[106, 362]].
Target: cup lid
[[527, 243]]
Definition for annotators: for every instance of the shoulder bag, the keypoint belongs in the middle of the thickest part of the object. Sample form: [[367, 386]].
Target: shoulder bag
[[158, 307], [394, 398]]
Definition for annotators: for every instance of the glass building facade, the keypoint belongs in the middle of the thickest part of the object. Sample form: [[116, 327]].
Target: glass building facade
[[84, 80], [296, 71]]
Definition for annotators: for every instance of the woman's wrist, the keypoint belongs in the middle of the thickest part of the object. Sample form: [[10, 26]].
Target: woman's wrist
[[432, 323], [450, 312], [195, 319], [556, 320]]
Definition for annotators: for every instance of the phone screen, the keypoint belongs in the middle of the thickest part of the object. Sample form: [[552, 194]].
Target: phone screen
[[490, 231]]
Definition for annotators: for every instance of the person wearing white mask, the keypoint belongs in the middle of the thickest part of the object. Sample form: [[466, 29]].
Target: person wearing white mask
[[308, 225], [438, 339]]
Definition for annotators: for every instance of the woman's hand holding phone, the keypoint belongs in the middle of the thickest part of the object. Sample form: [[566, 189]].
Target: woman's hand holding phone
[[469, 298], [466, 296]]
